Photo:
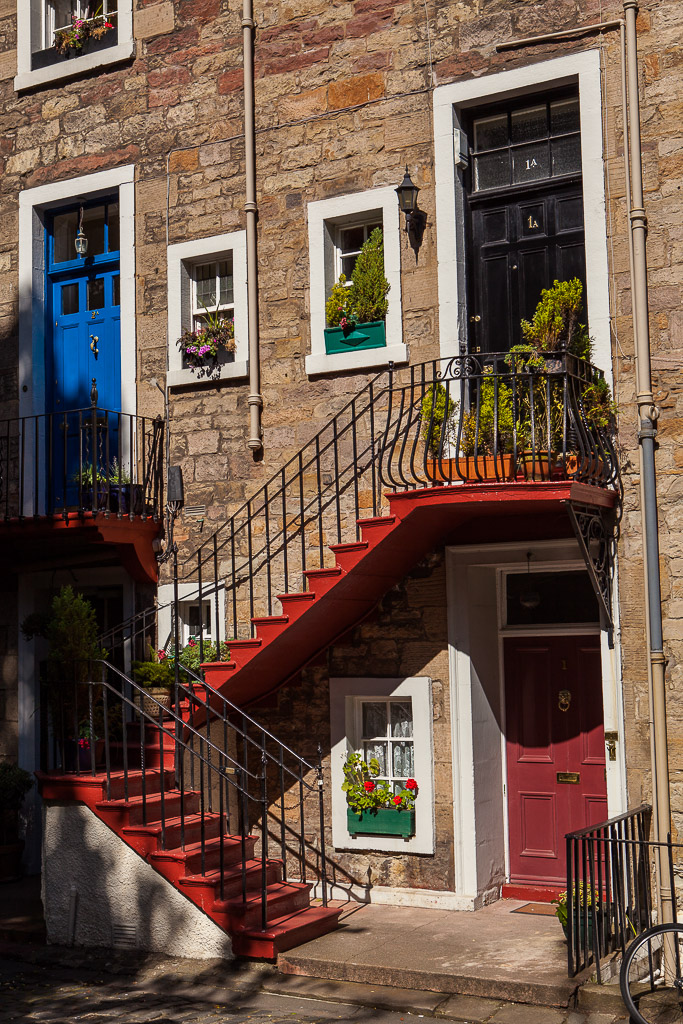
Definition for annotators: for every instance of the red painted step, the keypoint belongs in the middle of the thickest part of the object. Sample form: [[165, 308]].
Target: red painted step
[[285, 932]]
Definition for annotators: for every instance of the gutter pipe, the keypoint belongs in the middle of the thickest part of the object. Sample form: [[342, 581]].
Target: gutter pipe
[[255, 399], [647, 433]]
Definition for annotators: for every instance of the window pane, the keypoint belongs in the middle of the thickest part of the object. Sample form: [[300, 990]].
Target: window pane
[[193, 618], [566, 155], [65, 227], [378, 750], [530, 162], [348, 265], [403, 760], [490, 132], [93, 228], [113, 223], [69, 299], [226, 282], [529, 124], [492, 170], [401, 718], [564, 116], [374, 718], [116, 290], [205, 277], [95, 293], [63, 9], [351, 239]]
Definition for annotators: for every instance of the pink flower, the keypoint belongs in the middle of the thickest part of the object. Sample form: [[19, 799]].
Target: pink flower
[[192, 642]]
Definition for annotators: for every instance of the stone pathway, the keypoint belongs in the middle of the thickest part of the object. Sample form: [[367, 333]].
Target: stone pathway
[[56, 986]]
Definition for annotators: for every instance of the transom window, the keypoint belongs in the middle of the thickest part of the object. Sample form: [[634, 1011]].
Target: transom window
[[387, 734], [100, 227], [213, 290], [350, 240], [526, 143], [57, 14]]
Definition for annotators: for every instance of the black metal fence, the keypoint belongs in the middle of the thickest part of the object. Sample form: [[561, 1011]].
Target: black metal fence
[[212, 778], [609, 895], [81, 460]]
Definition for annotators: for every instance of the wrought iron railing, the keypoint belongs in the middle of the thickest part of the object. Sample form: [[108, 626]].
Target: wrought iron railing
[[231, 774], [493, 419], [81, 460], [609, 897]]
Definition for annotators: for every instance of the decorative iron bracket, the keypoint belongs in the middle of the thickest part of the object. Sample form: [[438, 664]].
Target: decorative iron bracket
[[595, 531]]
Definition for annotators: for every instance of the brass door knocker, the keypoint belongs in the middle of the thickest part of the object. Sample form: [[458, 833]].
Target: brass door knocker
[[564, 699]]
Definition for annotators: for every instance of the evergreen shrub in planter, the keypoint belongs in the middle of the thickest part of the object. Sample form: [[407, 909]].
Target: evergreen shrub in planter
[[355, 314]]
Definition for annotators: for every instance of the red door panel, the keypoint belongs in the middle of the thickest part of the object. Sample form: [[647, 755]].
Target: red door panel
[[548, 736]]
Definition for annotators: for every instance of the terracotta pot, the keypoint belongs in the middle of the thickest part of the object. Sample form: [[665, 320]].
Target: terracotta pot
[[161, 695], [472, 469], [536, 465]]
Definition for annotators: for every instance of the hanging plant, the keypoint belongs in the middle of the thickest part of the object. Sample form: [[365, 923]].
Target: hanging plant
[[202, 346]]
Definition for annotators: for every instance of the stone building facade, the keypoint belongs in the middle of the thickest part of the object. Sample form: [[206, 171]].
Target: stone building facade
[[347, 94]]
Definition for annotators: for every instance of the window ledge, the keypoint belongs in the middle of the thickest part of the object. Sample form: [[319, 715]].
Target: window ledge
[[367, 358], [76, 66], [228, 371]]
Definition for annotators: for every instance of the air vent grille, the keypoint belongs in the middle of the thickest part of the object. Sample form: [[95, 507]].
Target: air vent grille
[[124, 936]]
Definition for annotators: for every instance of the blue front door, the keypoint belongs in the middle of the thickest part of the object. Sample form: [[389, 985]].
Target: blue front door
[[83, 345]]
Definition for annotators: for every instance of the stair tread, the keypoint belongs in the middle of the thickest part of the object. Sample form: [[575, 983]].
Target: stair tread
[[150, 798], [296, 595], [287, 923], [177, 852], [377, 520], [274, 890], [213, 877], [155, 826]]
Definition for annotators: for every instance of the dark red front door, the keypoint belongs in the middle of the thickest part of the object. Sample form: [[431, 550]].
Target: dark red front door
[[555, 750]]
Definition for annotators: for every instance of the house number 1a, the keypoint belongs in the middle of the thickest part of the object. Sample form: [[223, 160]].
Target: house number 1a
[[530, 164], [532, 223]]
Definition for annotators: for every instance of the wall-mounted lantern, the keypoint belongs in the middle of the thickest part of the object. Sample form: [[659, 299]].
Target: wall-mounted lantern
[[416, 220], [81, 241]]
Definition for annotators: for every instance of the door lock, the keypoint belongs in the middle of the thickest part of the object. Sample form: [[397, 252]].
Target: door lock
[[93, 345], [475, 319], [611, 743]]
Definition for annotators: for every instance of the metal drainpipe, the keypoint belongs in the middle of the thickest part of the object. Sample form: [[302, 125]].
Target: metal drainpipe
[[648, 414], [255, 399]]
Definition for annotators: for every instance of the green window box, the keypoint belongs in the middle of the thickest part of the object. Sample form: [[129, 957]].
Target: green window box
[[356, 336], [385, 821]]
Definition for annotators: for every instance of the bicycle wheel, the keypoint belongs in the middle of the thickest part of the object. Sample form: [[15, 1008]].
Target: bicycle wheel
[[650, 978]]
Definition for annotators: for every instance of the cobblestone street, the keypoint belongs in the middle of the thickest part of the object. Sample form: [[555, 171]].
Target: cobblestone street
[[59, 986]]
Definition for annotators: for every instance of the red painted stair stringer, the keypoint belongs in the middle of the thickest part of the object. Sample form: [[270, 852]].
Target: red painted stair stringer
[[390, 546]]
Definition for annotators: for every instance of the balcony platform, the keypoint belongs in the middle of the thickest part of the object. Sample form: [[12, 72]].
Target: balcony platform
[[30, 543]]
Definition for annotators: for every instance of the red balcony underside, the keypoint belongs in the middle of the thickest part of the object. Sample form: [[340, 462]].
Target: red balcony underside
[[46, 542], [390, 546]]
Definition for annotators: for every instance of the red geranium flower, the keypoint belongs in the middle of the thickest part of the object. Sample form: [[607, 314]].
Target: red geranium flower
[[411, 784], [192, 642], [397, 800], [161, 654], [369, 786]]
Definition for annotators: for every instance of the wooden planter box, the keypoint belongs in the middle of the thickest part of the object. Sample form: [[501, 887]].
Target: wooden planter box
[[341, 339], [472, 469], [385, 821]]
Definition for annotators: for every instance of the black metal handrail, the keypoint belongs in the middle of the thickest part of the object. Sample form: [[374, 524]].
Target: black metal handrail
[[609, 897], [232, 770], [499, 418], [76, 461]]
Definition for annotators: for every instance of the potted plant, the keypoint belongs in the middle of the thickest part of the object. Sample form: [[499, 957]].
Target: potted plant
[[157, 679], [589, 896], [487, 432], [436, 419], [202, 346], [356, 312], [115, 493], [372, 807], [71, 630], [14, 785], [73, 40]]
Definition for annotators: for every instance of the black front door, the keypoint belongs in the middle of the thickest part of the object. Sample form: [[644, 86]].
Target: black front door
[[525, 215]]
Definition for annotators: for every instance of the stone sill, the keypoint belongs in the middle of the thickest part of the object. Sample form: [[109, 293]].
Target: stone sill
[[188, 377], [69, 69], [367, 358]]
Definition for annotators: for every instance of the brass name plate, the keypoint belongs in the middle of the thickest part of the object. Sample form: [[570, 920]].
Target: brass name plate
[[573, 777]]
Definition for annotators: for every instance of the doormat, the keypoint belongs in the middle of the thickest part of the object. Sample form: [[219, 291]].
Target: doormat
[[542, 909]]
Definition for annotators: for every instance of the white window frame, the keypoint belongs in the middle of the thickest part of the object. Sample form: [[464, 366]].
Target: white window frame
[[346, 696], [324, 217], [582, 69], [182, 258], [30, 20], [188, 595], [198, 311]]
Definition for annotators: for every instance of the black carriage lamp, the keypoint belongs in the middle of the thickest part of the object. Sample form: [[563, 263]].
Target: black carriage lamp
[[529, 599], [407, 193], [81, 241]]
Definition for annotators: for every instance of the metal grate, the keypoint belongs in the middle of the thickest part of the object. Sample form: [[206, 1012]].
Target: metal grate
[[124, 936]]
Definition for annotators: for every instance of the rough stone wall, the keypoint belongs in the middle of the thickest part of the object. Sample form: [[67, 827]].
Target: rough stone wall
[[343, 103], [406, 635]]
